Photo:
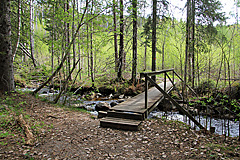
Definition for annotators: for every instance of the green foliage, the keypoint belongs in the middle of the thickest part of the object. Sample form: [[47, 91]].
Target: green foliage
[[5, 134]]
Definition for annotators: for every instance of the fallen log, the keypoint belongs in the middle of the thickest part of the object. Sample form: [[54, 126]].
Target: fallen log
[[27, 131]]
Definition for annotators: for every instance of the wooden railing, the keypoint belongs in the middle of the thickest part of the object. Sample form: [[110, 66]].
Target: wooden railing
[[147, 76]]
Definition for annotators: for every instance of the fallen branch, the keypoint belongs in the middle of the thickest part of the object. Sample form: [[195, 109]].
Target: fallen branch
[[27, 131]]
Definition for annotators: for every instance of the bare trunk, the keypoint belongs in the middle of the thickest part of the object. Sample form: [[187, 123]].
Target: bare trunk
[[154, 39], [134, 60], [187, 48], [32, 32], [121, 47], [115, 34], [18, 31], [91, 52], [73, 28], [145, 56], [68, 42], [6, 61]]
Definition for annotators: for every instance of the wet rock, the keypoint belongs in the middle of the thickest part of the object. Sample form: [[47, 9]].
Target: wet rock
[[90, 108], [120, 100], [121, 96], [116, 96], [102, 106], [80, 106], [44, 91], [112, 104], [98, 95]]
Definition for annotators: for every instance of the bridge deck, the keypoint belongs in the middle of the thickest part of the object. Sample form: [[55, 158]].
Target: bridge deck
[[137, 103]]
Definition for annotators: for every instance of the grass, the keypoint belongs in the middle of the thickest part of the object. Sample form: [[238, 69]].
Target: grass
[[11, 107]]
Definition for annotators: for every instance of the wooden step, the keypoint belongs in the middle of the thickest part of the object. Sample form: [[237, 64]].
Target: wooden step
[[125, 115], [120, 123]]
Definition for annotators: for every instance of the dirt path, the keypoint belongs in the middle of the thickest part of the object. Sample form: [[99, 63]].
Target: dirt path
[[76, 135]]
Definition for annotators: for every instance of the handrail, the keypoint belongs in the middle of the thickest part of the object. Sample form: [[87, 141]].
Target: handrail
[[155, 72], [164, 92]]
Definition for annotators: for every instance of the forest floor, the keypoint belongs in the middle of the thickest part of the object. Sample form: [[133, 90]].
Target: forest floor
[[61, 133]]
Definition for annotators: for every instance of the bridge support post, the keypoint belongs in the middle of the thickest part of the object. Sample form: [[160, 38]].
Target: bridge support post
[[146, 91], [165, 81]]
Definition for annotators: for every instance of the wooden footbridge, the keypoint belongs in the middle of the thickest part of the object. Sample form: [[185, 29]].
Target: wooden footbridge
[[129, 114]]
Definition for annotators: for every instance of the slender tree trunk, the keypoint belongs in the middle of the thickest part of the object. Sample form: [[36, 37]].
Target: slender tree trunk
[[91, 50], [193, 43], [187, 47], [163, 48], [53, 38], [145, 56], [68, 42], [121, 47], [134, 61], [18, 31], [6, 61], [32, 32], [73, 28], [80, 64], [154, 39], [88, 56], [115, 35]]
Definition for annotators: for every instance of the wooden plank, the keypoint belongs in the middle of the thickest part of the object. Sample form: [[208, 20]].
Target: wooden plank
[[126, 115], [121, 120], [137, 103], [119, 123]]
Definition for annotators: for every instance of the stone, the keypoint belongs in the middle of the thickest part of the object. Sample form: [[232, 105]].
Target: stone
[[120, 100], [102, 106], [112, 104]]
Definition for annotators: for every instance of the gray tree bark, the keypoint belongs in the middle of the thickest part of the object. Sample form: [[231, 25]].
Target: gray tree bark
[[121, 45], [6, 61], [134, 60], [115, 35], [154, 39]]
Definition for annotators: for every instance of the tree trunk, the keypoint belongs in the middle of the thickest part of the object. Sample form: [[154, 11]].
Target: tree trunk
[[68, 42], [193, 43], [145, 56], [115, 34], [73, 28], [32, 32], [88, 56], [187, 48], [121, 47], [134, 61], [18, 31], [163, 48], [91, 50], [154, 39], [6, 61]]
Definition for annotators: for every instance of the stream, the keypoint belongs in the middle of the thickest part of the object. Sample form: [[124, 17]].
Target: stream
[[221, 126], [217, 123]]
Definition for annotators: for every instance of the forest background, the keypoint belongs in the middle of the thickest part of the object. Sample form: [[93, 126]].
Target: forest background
[[101, 40]]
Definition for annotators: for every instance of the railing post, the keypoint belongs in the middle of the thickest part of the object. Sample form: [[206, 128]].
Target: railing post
[[173, 76], [146, 91], [165, 81]]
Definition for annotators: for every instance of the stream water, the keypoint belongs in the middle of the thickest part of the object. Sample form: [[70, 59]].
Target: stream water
[[221, 125]]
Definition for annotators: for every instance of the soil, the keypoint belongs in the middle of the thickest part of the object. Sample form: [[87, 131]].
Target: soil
[[61, 133]]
